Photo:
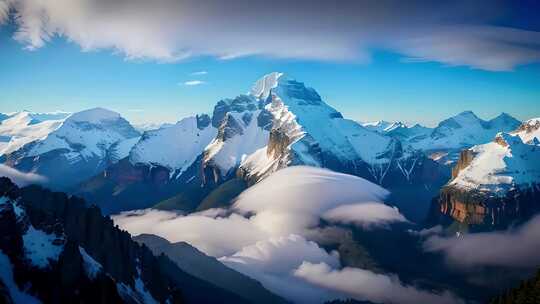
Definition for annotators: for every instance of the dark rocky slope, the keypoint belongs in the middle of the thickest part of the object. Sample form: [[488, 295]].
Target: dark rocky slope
[[207, 268]]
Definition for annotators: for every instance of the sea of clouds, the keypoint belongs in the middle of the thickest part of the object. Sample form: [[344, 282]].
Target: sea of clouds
[[265, 236]]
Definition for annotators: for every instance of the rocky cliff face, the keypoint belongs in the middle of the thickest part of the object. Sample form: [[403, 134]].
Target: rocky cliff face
[[465, 159], [493, 186], [482, 211], [61, 251]]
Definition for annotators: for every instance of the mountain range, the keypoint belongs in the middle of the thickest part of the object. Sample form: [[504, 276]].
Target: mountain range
[[464, 175], [204, 161]]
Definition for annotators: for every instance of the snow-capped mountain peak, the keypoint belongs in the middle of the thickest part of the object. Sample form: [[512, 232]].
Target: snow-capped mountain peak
[[306, 130], [378, 126], [500, 165], [465, 130], [261, 88], [94, 115], [529, 131], [81, 146], [87, 133]]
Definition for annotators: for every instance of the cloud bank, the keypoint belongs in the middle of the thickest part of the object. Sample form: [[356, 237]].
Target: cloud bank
[[21, 179], [365, 215], [264, 234], [290, 201], [366, 285], [513, 248], [454, 33], [272, 262]]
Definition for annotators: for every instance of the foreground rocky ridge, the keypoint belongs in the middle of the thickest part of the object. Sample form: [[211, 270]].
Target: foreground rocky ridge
[[63, 251]]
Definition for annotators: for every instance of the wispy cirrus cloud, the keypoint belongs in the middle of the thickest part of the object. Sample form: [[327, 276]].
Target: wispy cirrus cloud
[[457, 33], [199, 73], [191, 83]]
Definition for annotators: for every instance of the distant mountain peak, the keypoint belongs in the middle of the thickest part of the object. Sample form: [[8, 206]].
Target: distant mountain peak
[[94, 115]]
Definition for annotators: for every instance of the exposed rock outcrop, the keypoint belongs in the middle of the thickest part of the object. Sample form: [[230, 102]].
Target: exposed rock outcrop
[[465, 159]]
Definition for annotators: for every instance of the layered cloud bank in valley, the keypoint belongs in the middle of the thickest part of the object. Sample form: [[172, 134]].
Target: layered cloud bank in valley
[[512, 248], [20, 178], [263, 235]]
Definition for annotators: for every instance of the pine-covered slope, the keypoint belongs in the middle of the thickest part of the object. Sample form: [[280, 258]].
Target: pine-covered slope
[[528, 292], [54, 249]]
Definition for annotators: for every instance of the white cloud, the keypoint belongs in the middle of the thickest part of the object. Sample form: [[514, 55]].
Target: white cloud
[[206, 231], [435, 230], [171, 30], [4, 8], [199, 73], [513, 248], [263, 236], [290, 201], [273, 261], [193, 82], [21, 178], [294, 199], [366, 285], [366, 215]]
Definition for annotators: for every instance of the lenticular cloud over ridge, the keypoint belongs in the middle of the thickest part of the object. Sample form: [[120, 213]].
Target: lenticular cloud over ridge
[[290, 201], [295, 198]]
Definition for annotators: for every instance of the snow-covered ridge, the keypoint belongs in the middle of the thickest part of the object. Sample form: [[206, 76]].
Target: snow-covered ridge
[[20, 128], [501, 165], [175, 147], [87, 134], [464, 130], [529, 131], [379, 125]]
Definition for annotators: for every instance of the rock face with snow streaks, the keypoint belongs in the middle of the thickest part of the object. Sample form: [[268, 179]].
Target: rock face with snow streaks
[[279, 123], [494, 185]]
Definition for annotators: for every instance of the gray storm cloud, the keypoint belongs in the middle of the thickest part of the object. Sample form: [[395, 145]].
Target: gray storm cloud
[[456, 33]]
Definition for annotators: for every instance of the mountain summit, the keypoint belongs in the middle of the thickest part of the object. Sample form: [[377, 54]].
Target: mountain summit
[[83, 145]]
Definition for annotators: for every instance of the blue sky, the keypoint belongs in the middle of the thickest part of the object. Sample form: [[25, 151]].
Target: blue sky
[[59, 75]]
